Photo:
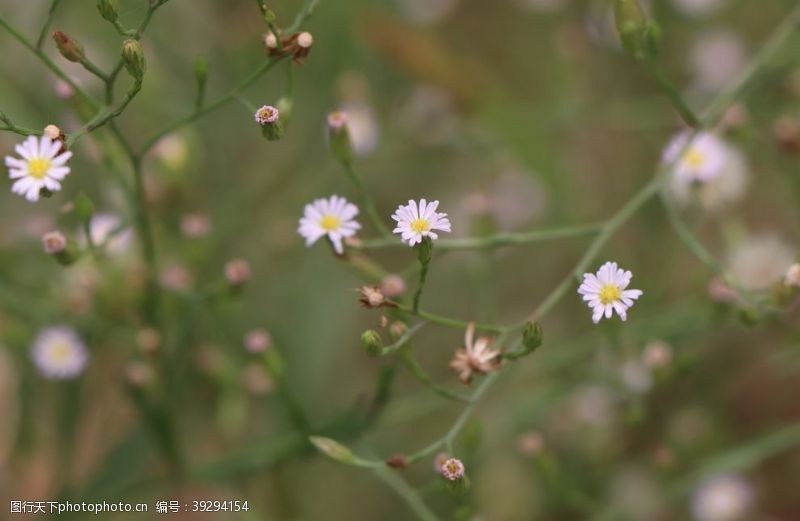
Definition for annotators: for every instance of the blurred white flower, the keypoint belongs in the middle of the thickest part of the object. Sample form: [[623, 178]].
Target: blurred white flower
[[592, 404], [108, 230], [530, 443], [716, 58], [657, 354], [793, 276], [697, 8], [723, 497], [41, 165], [635, 376], [176, 277], [362, 127], [428, 11], [257, 341], [172, 150], [415, 221], [702, 160], [605, 291], [195, 225], [59, 353], [334, 217], [760, 261], [393, 285], [636, 494], [542, 6], [429, 116]]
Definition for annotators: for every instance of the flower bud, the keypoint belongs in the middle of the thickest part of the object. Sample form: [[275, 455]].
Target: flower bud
[[69, 47], [532, 337], [269, 119], [237, 272], [397, 461], [397, 330], [372, 342], [133, 58], [425, 251], [56, 244], [257, 341], [109, 9], [452, 469], [333, 449], [201, 70], [52, 131], [638, 35], [339, 137]]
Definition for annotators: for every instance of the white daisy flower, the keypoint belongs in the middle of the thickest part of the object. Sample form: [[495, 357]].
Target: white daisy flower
[[59, 353], [703, 160], [40, 166], [605, 291], [333, 217], [415, 221]]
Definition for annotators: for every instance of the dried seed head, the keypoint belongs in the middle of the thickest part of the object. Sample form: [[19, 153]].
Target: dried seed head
[[372, 297], [69, 47]]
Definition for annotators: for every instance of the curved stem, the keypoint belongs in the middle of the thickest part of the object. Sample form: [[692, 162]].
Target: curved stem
[[493, 241]]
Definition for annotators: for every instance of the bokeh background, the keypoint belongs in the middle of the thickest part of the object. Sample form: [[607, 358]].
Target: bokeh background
[[516, 115]]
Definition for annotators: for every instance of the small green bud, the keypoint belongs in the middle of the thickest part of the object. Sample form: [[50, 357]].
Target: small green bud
[[133, 58], [638, 35], [532, 337], [201, 70], [83, 207], [425, 251], [269, 16], [69, 47], [109, 9], [333, 449], [339, 137], [372, 342], [749, 316]]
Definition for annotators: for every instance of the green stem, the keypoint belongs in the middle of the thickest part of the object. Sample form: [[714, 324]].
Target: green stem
[[407, 356], [47, 23], [672, 93], [365, 200], [423, 276], [55, 69], [210, 107], [94, 69], [493, 241], [409, 495], [447, 321]]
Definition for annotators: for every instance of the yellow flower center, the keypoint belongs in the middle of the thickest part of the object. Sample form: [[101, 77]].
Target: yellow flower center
[[38, 167], [694, 158], [609, 294], [330, 223], [420, 225], [60, 352]]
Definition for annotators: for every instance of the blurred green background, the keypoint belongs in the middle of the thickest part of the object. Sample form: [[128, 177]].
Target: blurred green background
[[516, 115]]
